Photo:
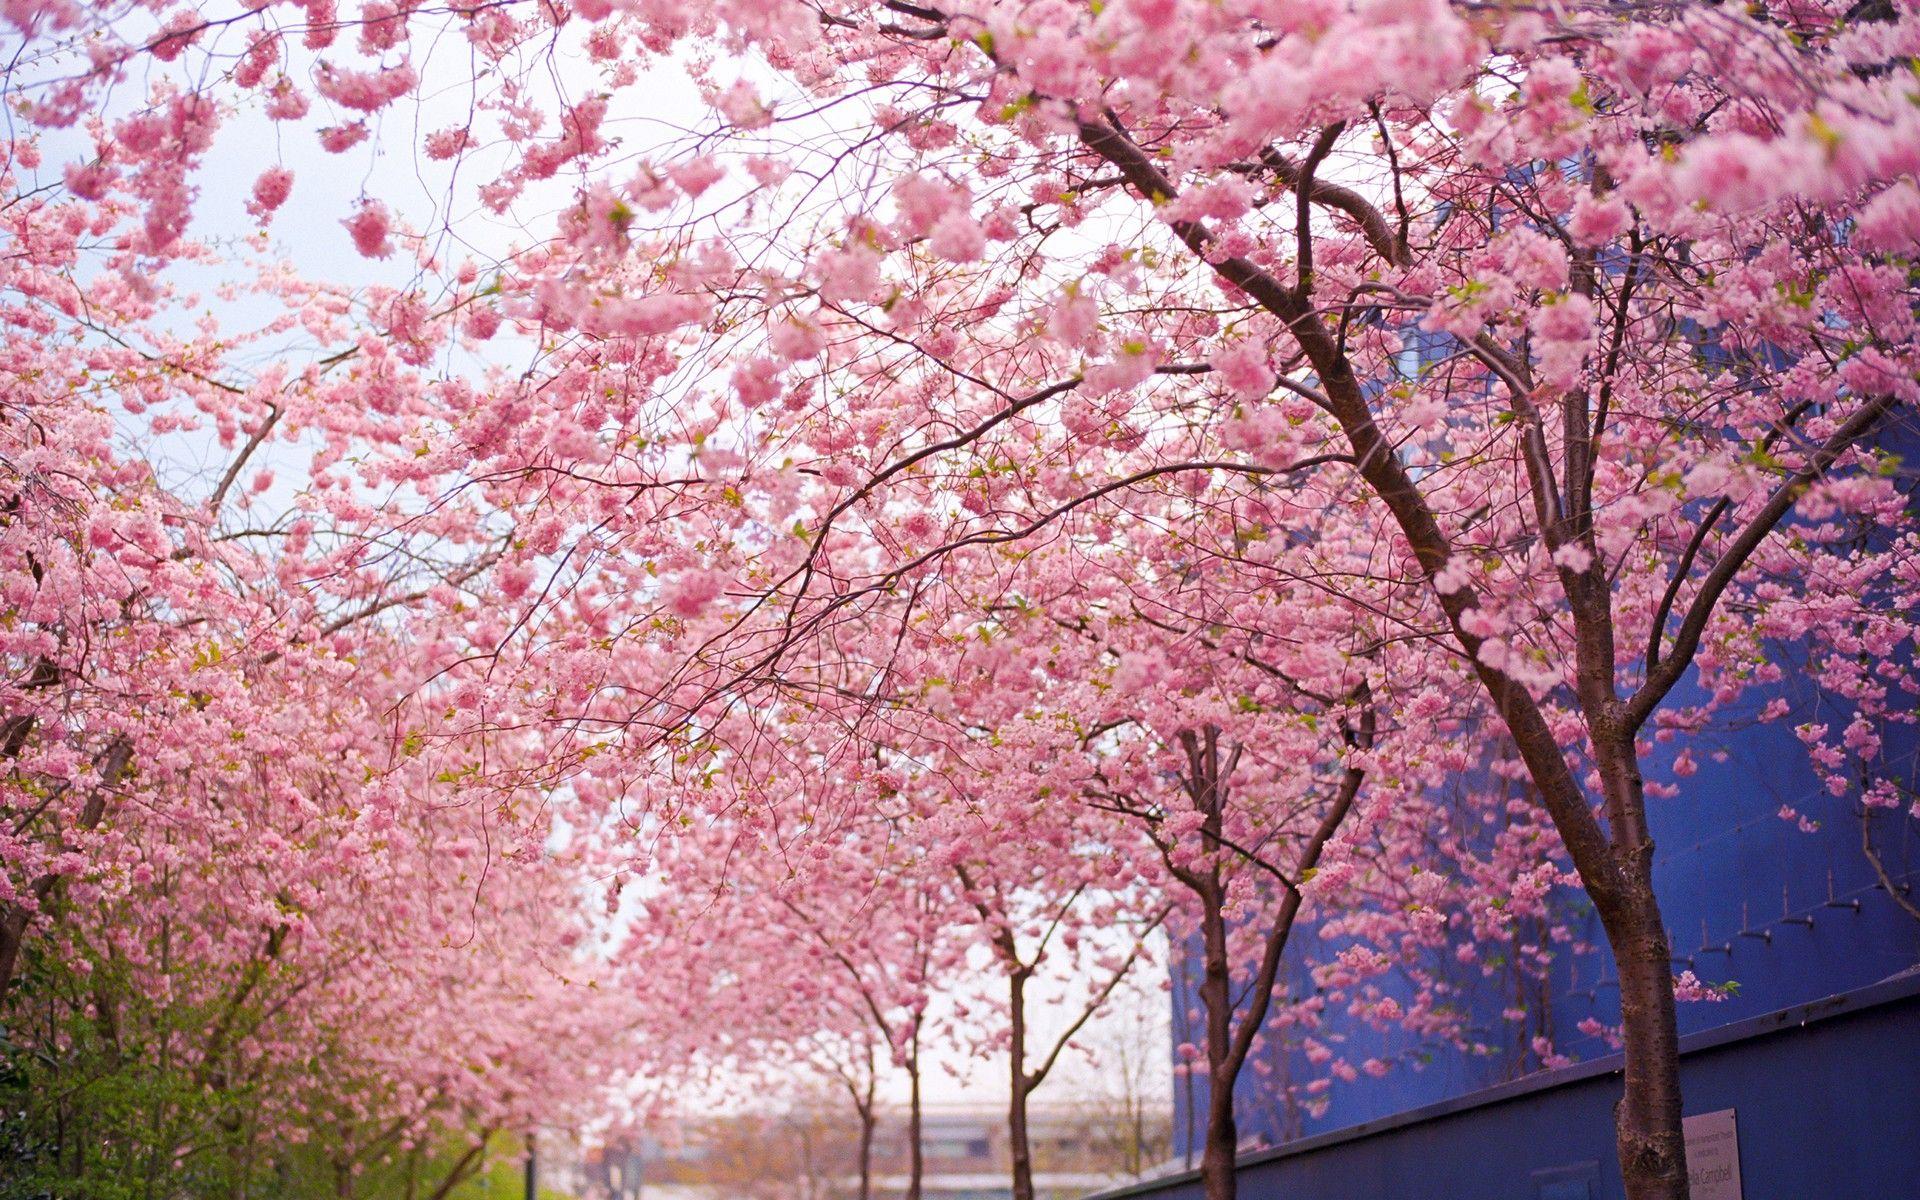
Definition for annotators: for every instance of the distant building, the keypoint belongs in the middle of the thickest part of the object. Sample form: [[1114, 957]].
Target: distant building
[[813, 1155], [967, 1156]]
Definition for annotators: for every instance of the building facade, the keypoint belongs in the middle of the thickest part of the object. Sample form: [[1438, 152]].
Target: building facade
[[812, 1153]]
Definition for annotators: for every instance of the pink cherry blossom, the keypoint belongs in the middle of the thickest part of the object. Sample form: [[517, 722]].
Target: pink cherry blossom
[[370, 226], [270, 191]]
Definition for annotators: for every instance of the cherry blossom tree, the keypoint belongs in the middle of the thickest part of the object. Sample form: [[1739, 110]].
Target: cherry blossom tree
[[1234, 789], [282, 986], [800, 930], [249, 901], [1587, 329], [1047, 900]]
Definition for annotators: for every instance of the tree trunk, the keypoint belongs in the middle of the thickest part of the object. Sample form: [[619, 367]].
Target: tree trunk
[[1019, 1146], [866, 1153], [1647, 1130], [1136, 1147], [1650, 1141], [13, 933], [1183, 1034], [1615, 863], [464, 1168], [1653, 1160], [916, 1159], [1222, 1143], [1217, 1157]]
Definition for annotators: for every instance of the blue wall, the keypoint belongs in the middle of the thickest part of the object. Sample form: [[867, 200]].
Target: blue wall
[[1827, 1097], [1788, 916]]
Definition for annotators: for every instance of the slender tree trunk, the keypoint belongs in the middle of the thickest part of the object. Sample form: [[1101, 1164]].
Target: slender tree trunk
[[866, 1153], [13, 934], [916, 1156], [1229, 1041], [1653, 1160], [464, 1168], [1019, 1145], [809, 1172], [1222, 1140], [861, 1092], [1647, 1131], [1137, 1149], [1183, 1033]]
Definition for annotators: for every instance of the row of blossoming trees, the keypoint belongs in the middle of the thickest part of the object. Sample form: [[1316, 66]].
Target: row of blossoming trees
[[994, 469], [248, 932]]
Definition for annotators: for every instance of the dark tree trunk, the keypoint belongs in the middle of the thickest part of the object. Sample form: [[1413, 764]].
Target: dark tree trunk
[[866, 1153], [1653, 1159], [13, 934], [1231, 1035], [466, 1167], [1217, 1157], [1019, 1145], [916, 1155], [1222, 1142], [1647, 1131]]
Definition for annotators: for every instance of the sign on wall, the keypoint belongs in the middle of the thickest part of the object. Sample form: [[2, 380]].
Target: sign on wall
[[1713, 1155]]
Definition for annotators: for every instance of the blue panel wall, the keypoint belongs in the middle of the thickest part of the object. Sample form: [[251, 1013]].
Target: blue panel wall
[[1827, 1097], [1785, 915]]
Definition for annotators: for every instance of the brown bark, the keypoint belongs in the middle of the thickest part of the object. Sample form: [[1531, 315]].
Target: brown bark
[[1019, 1144], [1022, 1083], [916, 1153], [1647, 1131], [866, 1151], [861, 1084], [1220, 1147]]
